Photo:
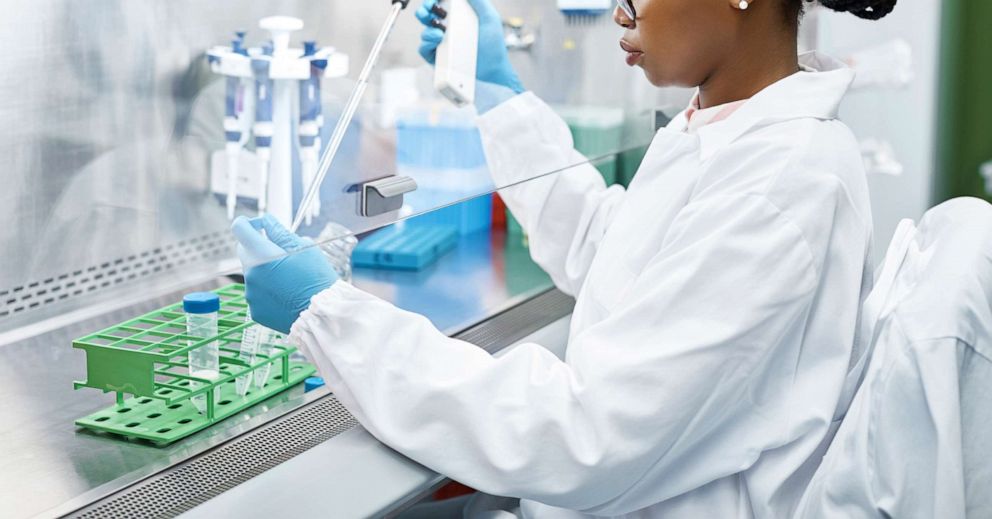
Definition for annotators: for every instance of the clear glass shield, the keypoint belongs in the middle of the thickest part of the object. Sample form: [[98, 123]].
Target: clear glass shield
[[148, 126]]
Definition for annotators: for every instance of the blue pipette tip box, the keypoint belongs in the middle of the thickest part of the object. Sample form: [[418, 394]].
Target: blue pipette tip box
[[405, 248]]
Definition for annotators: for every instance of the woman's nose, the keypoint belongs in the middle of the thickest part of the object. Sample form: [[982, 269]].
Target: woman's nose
[[621, 18]]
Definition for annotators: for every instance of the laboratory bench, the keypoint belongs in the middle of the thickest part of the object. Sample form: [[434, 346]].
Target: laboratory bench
[[296, 453]]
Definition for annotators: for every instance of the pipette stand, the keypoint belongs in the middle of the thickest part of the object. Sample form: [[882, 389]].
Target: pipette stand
[[287, 67]]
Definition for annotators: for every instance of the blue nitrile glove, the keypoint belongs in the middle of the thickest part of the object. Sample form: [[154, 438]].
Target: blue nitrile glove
[[493, 60], [278, 286]]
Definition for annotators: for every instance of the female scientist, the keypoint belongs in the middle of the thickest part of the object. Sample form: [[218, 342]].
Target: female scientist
[[717, 297]]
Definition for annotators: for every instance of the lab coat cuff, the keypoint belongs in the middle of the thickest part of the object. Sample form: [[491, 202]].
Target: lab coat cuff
[[489, 96], [502, 120], [320, 304], [505, 128]]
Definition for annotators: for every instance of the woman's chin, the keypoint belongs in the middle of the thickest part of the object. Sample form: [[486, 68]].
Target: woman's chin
[[666, 78], [656, 79]]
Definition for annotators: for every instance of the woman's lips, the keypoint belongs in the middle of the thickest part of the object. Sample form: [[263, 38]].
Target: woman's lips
[[633, 54], [633, 58]]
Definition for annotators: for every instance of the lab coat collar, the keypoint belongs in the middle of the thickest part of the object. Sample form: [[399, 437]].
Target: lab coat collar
[[807, 94]]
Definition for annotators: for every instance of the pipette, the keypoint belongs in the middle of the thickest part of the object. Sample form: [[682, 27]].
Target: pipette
[[349, 113], [311, 122], [454, 73], [234, 105], [263, 128]]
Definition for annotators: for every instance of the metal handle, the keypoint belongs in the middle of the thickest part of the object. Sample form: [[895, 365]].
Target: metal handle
[[385, 195]]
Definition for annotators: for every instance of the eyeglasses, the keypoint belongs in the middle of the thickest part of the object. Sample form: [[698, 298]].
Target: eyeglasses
[[628, 8]]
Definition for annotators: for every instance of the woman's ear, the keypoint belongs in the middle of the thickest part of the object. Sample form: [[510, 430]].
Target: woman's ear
[[741, 4]]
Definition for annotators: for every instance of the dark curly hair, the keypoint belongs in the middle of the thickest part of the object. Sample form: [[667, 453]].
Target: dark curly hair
[[867, 9]]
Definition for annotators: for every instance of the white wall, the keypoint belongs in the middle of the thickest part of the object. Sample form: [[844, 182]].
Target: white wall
[[906, 117]]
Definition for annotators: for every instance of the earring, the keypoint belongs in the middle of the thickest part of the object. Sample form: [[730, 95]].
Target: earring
[[743, 5]]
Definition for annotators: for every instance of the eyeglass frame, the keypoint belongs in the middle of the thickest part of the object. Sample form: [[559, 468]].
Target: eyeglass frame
[[628, 8]]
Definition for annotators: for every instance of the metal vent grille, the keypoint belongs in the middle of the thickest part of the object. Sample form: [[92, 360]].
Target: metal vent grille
[[193, 482], [86, 281], [520, 321], [181, 488]]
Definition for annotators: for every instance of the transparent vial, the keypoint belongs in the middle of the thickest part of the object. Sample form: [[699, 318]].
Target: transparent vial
[[201, 322], [249, 348], [337, 243], [269, 339]]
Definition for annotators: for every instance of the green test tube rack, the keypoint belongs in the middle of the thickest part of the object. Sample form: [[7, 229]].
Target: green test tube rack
[[146, 358]]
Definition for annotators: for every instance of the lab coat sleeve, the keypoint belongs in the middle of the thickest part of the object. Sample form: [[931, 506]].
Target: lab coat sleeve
[[683, 384], [565, 212]]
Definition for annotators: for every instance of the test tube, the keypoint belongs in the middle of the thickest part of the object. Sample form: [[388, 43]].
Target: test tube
[[267, 343], [249, 348], [201, 323]]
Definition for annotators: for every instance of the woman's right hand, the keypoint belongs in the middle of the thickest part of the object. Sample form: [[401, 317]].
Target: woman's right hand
[[493, 60]]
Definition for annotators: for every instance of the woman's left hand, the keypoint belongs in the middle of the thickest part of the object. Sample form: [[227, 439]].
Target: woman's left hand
[[282, 271], [493, 62]]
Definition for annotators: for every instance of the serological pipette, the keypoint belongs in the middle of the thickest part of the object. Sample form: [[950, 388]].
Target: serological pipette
[[349, 113]]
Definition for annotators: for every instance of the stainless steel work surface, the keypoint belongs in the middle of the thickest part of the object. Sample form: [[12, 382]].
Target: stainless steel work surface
[[47, 464], [351, 475]]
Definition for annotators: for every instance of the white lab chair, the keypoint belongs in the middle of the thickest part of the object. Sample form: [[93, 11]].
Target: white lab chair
[[917, 439]]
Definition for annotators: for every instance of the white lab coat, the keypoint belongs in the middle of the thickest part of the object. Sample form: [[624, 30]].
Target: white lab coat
[[917, 441], [717, 307]]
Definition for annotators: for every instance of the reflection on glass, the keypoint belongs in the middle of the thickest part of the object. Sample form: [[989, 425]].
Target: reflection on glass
[[482, 272], [120, 164], [434, 228]]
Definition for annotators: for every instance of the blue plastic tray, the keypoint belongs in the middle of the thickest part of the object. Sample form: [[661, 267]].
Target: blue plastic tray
[[405, 248]]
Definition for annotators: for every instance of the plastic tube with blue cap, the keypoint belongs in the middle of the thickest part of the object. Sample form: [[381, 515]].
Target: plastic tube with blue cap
[[201, 310]]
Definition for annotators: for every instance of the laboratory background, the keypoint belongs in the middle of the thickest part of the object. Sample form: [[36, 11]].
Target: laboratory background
[[135, 131]]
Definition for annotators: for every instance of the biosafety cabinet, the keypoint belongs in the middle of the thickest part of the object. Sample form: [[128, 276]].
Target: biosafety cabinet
[[135, 130]]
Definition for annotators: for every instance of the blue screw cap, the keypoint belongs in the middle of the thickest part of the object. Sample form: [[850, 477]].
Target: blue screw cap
[[309, 48], [238, 47], [312, 383], [201, 303]]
